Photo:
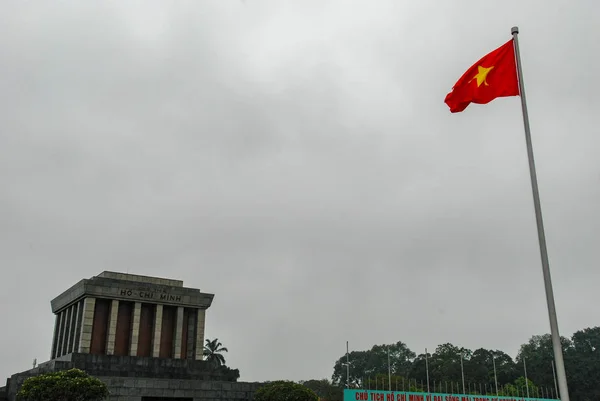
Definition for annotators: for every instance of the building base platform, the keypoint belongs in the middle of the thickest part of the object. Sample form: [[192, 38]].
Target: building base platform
[[147, 379]]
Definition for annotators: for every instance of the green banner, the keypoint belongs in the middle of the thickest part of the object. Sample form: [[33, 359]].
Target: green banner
[[374, 395]]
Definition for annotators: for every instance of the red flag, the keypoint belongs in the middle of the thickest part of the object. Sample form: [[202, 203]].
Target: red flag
[[495, 75]]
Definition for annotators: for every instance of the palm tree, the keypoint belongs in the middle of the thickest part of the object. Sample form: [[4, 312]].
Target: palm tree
[[212, 352]]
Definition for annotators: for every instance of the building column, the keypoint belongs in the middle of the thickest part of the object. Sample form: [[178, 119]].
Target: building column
[[71, 333], [87, 323], [178, 333], [157, 331], [61, 330], [65, 331], [112, 327], [55, 339], [200, 334], [191, 336], [135, 329], [77, 328]]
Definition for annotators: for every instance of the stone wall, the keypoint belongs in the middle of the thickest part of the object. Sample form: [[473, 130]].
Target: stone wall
[[129, 389], [131, 378], [110, 288], [133, 366], [133, 389]]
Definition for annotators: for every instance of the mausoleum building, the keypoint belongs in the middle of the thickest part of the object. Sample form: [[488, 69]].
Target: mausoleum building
[[143, 336], [130, 315]]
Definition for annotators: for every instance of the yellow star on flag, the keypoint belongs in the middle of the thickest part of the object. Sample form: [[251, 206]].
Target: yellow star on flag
[[482, 73]]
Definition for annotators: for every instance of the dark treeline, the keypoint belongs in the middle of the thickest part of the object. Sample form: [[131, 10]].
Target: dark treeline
[[369, 369]]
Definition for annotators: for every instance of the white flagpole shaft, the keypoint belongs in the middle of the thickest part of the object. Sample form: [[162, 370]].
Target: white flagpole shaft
[[554, 377], [427, 369], [495, 376], [556, 344], [526, 380], [389, 371], [462, 372], [347, 366]]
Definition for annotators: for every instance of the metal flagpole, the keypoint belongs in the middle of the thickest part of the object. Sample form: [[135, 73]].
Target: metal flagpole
[[427, 369], [554, 377], [556, 344], [526, 381], [495, 376], [347, 367], [462, 372], [389, 371]]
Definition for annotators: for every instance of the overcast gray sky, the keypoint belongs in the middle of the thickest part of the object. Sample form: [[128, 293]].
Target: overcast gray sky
[[296, 159]]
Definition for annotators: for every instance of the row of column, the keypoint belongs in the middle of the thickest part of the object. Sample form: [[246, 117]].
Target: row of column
[[67, 330], [74, 329]]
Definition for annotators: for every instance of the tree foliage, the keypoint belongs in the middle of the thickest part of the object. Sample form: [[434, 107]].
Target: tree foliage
[[213, 352], [283, 390], [324, 389], [369, 363], [369, 369], [68, 385]]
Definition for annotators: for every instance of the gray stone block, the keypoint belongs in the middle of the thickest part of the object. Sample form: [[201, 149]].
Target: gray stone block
[[130, 378], [129, 382], [134, 391]]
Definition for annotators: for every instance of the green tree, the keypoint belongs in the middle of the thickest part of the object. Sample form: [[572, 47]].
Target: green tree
[[525, 386], [479, 368], [444, 364], [213, 352], [583, 364], [284, 390], [372, 362], [369, 369], [324, 389], [506, 369], [69, 385], [538, 355]]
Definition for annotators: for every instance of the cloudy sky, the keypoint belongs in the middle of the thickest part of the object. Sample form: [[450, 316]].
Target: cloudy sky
[[296, 159]]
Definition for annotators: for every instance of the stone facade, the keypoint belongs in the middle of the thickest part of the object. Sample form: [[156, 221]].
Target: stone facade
[[141, 379], [143, 336], [124, 314]]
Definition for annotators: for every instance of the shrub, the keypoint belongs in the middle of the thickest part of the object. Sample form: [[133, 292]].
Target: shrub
[[68, 385], [284, 391]]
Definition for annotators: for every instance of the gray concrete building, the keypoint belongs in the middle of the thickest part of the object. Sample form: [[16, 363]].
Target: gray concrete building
[[130, 315], [143, 336]]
